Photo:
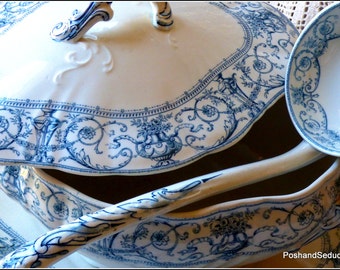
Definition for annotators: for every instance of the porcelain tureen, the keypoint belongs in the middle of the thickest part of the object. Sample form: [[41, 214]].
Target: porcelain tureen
[[142, 88], [137, 88]]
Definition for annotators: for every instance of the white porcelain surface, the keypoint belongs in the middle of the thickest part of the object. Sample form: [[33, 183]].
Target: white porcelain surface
[[232, 233], [54, 203], [229, 234], [13, 234], [17, 226], [130, 99], [313, 82]]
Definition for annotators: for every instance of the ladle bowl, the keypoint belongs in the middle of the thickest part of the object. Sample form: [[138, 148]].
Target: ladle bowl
[[312, 82]]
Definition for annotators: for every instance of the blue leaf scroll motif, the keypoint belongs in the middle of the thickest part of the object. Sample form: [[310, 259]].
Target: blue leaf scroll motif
[[221, 236], [11, 12], [305, 92], [215, 113], [226, 234]]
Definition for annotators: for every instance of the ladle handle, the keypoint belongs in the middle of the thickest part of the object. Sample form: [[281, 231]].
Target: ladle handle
[[64, 240], [79, 23]]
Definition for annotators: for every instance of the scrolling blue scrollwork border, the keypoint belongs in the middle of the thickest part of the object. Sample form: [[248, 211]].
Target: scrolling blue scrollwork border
[[12, 12], [226, 234], [215, 113], [304, 74]]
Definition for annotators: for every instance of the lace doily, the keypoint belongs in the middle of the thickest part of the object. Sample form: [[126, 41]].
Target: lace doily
[[300, 12]]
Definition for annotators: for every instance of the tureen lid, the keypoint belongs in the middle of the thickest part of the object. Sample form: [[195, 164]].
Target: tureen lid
[[128, 98]]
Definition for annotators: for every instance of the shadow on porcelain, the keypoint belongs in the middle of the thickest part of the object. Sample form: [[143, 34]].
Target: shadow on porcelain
[[230, 233]]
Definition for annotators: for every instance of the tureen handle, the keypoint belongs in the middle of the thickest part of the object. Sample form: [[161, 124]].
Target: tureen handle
[[80, 22], [162, 15]]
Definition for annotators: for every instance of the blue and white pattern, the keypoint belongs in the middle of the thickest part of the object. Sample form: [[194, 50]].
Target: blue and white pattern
[[12, 12], [17, 226], [10, 240], [228, 235], [329, 243], [51, 203], [306, 98], [215, 113]]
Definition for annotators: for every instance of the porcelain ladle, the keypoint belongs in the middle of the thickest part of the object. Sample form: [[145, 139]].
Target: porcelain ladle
[[64, 240]]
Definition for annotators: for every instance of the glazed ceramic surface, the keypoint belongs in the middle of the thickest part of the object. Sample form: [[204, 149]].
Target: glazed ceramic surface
[[38, 130], [313, 82], [13, 234], [130, 99], [230, 233]]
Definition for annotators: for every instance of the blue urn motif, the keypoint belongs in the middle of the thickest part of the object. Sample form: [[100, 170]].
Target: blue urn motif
[[209, 112], [156, 144]]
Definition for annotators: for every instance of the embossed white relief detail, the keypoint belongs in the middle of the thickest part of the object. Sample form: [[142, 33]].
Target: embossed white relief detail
[[85, 53]]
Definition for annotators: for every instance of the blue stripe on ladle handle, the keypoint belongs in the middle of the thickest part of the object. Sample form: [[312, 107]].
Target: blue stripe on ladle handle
[[56, 244]]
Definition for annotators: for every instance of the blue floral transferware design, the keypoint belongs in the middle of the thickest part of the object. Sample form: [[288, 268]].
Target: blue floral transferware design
[[238, 232], [308, 77], [12, 12], [17, 226], [214, 114]]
